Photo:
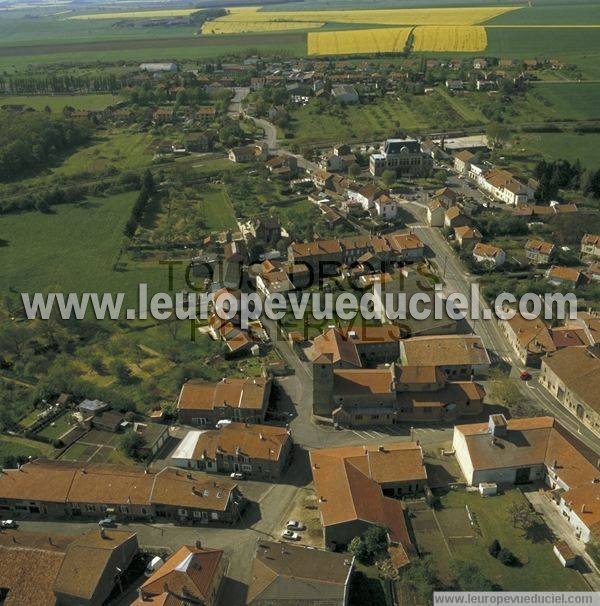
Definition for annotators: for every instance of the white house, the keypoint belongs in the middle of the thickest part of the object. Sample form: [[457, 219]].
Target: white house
[[386, 207], [489, 254]]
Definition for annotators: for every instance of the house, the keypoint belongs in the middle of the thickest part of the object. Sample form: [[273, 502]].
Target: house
[[462, 162], [345, 93], [447, 196], [403, 156], [460, 356], [436, 213], [93, 490], [385, 207], [154, 436], [339, 159], [283, 166], [163, 115], [537, 449], [274, 282], [480, 63], [265, 229], [366, 195], [92, 407], [92, 566], [454, 217], [593, 272], [243, 400], [261, 452], [559, 275], [455, 85], [358, 486], [108, 420], [467, 236], [192, 575], [590, 245], [505, 187], [249, 153], [312, 576], [539, 252], [206, 113], [488, 254], [571, 375], [566, 556], [530, 338]]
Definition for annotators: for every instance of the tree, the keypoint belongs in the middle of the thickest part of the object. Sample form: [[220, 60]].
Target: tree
[[592, 184], [498, 134], [358, 549], [494, 548], [121, 371], [418, 580], [354, 170], [370, 546], [97, 365], [388, 177], [507, 557], [520, 515], [468, 577], [132, 444]]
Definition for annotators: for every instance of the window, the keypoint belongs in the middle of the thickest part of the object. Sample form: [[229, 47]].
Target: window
[[123, 509], [197, 514], [246, 467], [182, 513], [90, 508]]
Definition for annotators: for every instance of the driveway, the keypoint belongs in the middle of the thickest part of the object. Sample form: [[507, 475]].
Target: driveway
[[562, 529]]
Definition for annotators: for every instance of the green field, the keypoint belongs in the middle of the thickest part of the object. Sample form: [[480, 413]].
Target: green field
[[17, 449], [57, 102], [539, 570], [74, 249], [218, 210]]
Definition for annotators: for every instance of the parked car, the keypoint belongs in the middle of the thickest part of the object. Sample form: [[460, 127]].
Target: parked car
[[525, 376], [107, 523], [153, 565], [236, 475], [8, 524], [295, 525], [290, 535]]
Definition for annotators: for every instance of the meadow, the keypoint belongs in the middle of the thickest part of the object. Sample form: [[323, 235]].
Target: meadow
[[75, 248], [58, 102]]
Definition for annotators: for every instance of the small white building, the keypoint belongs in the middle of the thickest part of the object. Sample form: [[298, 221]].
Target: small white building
[[488, 254]]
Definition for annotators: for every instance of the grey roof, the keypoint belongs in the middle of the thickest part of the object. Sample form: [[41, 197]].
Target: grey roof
[[93, 405], [397, 146]]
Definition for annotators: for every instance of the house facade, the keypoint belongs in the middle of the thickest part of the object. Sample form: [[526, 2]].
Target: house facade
[[404, 156]]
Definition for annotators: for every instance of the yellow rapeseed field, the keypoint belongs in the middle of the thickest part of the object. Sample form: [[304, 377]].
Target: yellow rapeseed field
[[346, 42], [450, 38], [241, 27]]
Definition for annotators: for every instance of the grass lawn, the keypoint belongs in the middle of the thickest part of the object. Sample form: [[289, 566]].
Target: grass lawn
[[539, 570], [571, 100], [124, 149], [74, 249], [528, 148], [57, 102], [10, 447], [58, 427], [217, 209], [367, 588]]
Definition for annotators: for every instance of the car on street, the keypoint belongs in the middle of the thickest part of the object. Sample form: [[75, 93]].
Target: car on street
[[290, 535], [525, 376], [236, 475], [295, 525], [8, 524], [107, 523]]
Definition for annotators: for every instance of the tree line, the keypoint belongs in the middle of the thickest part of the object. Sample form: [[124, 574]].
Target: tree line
[[29, 141]]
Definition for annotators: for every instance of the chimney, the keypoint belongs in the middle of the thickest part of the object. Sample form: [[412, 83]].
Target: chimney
[[583, 508], [381, 448], [497, 425], [198, 544]]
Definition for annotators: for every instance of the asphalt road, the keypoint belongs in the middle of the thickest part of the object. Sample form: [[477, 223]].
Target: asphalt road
[[458, 280]]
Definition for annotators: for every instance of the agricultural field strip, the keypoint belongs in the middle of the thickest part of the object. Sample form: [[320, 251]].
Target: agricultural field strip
[[345, 42], [456, 38]]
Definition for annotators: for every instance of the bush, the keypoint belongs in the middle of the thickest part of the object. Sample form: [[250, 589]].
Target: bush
[[494, 548], [507, 557]]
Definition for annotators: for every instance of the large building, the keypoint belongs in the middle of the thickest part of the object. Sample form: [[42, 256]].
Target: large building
[[403, 156], [241, 400], [261, 452], [283, 574], [572, 376], [521, 451], [358, 486], [460, 356], [61, 488]]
